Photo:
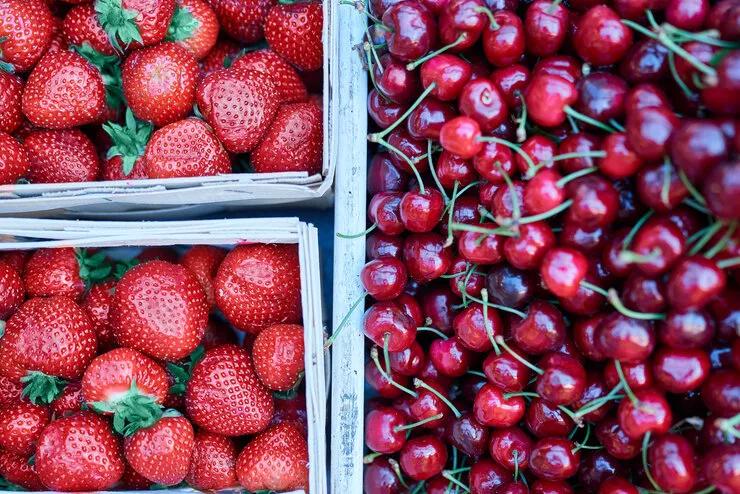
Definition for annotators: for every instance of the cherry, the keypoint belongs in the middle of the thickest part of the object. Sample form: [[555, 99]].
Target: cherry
[[686, 329], [436, 304], [510, 286], [583, 149], [383, 112], [421, 211], [543, 329], [645, 61], [407, 362], [384, 176], [412, 30], [719, 467], [426, 256], [660, 186], [428, 405], [680, 371], [380, 478], [383, 210], [470, 385], [387, 318], [548, 96], [460, 136], [721, 190], [472, 332], [465, 210], [624, 338], [448, 72], [506, 372], [449, 356], [539, 149], [596, 467], [672, 463], [687, 219], [601, 96], [481, 101], [504, 45], [395, 81], [725, 310], [427, 119], [381, 245], [697, 146], [660, 244], [502, 204], [541, 486], [493, 161], [601, 38], [714, 435], [452, 168], [616, 442], [562, 270], [382, 433], [595, 388], [648, 130], [542, 193], [487, 476], [721, 393], [638, 376], [413, 149], [461, 23], [687, 14], [563, 379], [511, 81], [513, 488], [591, 241], [423, 457], [694, 282], [510, 448], [410, 306], [564, 66], [481, 248], [384, 278], [458, 284], [467, 434], [528, 249], [650, 413], [380, 384], [584, 330], [554, 458], [701, 52], [545, 25], [617, 485], [493, 409], [644, 293], [595, 202], [645, 96]]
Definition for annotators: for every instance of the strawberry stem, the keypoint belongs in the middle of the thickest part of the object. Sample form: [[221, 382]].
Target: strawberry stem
[[118, 23], [131, 412], [42, 389], [182, 25]]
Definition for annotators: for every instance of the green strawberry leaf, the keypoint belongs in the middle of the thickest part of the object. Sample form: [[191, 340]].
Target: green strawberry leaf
[[42, 389], [129, 141], [5, 485], [2, 328], [182, 25], [131, 412], [118, 23], [123, 266], [182, 372], [7, 67], [291, 393], [93, 268]]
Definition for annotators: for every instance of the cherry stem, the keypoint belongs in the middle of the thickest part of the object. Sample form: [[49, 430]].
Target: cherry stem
[[695, 205], [433, 330], [397, 470], [674, 73], [416, 424], [333, 337], [361, 7], [719, 246], [568, 156], [728, 426], [582, 444], [524, 394], [413, 65], [489, 14], [591, 121], [728, 263], [434, 172], [481, 229], [378, 136], [510, 145], [616, 125], [367, 459], [613, 298], [408, 161], [521, 130], [458, 470], [534, 368], [623, 380], [475, 373], [580, 173], [573, 125], [452, 479], [554, 4], [631, 235], [421, 384], [386, 356], [597, 403], [497, 306], [665, 191], [516, 465], [633, 257], [487, 322], [516, 210], [690, 187], [645, 446], [464, 287], [358, 235], [450, 208], [374, 356], [711, 232], [547, 214], [709, 37]]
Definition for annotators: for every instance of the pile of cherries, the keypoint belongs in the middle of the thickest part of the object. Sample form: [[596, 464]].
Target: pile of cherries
[[554, 251]]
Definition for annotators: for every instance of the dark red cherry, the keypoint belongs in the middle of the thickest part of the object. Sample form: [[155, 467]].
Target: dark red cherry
[[562, 270], [583, 144], [426, 256], [601, 38], [449, 356], [480, 248], [645, 61], [467, 434], [584, 330], [384, 211], [380, 478], [493, 161], [452, 168], [617, 485], [554, 458], [612, 257], [380, 245], [540, 149], [430, 375], [423, 457], [721, 393], [428, 404], [383, 112], [387, 318], [420, 212], [720, 466], [545, 24], [595, 388], [542, 486], [725, 310], [686, 71], [427, 119], [472, 285], [461, 136], [721, 190], [461, 23], [448, 72], [686, 329], [412, 30], [542, 193], [395, 81], [615, 441], [504, 45], [660, 187], [645, 96], [414, 149], [470, 385], [591, 241], [660, 243], [648, 130], [697, 146], [513, 488], [487, 476], [481, 101], [511, 81], [672, 463], [564, 66], [506, 372], [595, 202], [651, 413], [381, 433], [713, 433], [472, 332], [625, 339], [687, 14], [644, 293], [601, 96], [563, 379], [547, 96], [384, 176], [596, 467], [436, 304], [528, 249], [510, 286], [680, 371], [543, 329], [638, 376], [544, 419], [382, 386], [491, 408], [465, 210], [410, 306], [407, 362], [502, 205], [510, 448], [694, 282], [384, 278]]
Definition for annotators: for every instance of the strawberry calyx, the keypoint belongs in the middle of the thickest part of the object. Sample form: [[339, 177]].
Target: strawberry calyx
[[93, 268], [183, 371], [182, 26], [292, 392], [118, 23], [131, 412], [290, 2], [229, 60], [5, 485], [129, 141], [42, 389], [122, 267]]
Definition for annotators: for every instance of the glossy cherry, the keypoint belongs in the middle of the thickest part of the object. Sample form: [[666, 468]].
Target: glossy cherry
[[493, 161], [461, 23], [721, 190], [547, 96], [379, 244], [719, 466], [428, 405], [601, 38], [584, 330], [387, 318], [528, 249], [510, 448], [660, 243], [595, 388], [543, 329], [562, 270], [694, 282], [461, 136], [407, 362], [672, 463], [680, 371], [620, 161], [421, 211], [507, 372], [511, 81], [437, 304], [423, 457], [381, 430], [510, 286], [426, 256], [395, 81], [487, 476], [493, 409], [651, 413], [427, 119], [481, 101], [384, 176], [383, 111], [471, 285], [595, 202], [545, 25], [502, 204], [472, 332], [380, 478], [505, 43], [553, 458], [448, 72], [644, 293], [638, 376], [452, 168], [697, 146], [544, 419], [616, 442], [412, 30], [413, 149], [384, 278], [721, 393], [686, 329], [624, 338], [467, 434], [648, 130], [384, 210], [449, 356], [583, 147], [598, 466], [378, 382], [542, 193], [563, 379]]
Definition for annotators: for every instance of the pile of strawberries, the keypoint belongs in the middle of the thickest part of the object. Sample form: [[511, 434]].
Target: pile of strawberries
[[134, 89], [554, 251], [121, 374]]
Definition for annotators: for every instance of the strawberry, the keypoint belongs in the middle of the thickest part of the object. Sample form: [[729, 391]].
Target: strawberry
[[11, 89], [194, 27], [289, 84], [14, 162], [242, 19], [239, 105], [260, 285], [159, 309], [25, 31], [292, 409], [223, 52], [64, 90], [12, 291], [21, 425], [162, 452], [178, 375], [278, 356], [203, 262], [58, 43], [294, 141], [63, 271], [17, 470], [134, 23], [159, 83], [109, 67], [81, 26], [10, 391], [96, 302], [79, 453], [167, 254], [59, 156], [213, 462], [124, 159], [275, 460], [187, 148], [47, 339], [294, 31], [224, 395], [16, 259], [134, 481], [217, 333], [70, 401]]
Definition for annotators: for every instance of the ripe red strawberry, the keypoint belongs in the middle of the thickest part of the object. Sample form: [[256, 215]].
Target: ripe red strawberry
[[187, 148], [222, 54], [294, 141], [292, 409], [16, 259], [159, 309], [239, 105], [213, 462], [59, 156], [203, 262], [289, 84], [10, 391], [133, 23], [275, 460], [243, 20], [81, 26], [260, 285], [64, 90], [79, 453], [63, 271], [278, 356], [294, 31], [159, 83], [124, 159], [58, 43], [96, 302], [27, 27], [12, 291], [194, 27], [21, 425], [70, 401], [11, 89], [47, 339], [17, 470], [167, 254], [162, 452], [217, 333], [224, 395], [134, 481], [14, 162]]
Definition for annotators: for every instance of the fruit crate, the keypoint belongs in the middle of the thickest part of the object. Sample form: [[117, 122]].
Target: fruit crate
[[29, 234], [192, 197]]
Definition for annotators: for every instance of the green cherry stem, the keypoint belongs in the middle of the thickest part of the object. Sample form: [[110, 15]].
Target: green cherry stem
[[397, 470], [710, 233], [677, 78], [517, 149], [487, 322], [433, 171], [489, 14], [330, 341], [728, 263], [358, 235], [418, 383], [645, 466], [591, 121], [719, 246], [690, 187], [412, 66], [376, 360], [547, 214], [580, 173], [378, 136], [433, 330], [416, 424], [631, 235], [450, 210], [408, 161], [386, 356], [534, 368], [623, 380], [452, 479], [497, 306]]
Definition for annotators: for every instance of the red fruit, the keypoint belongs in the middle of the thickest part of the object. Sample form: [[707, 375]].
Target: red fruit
[[64, 90], [243, 20], [79, 453], [159, 83], [21, 425], [651, 413], [17, 469], [159, 309], [239, 104], [277, 460], [224, 395], [148, 27], [203, 262], [133, 480], [12, 291], [81, 26], [601, 38], [294, 32], [288, 82], [259, 285], [194, 26], [278, 356], [224, 50], [162, 452], [293, 142], [547, 96], [59, 156], [97, 302], [187, 148], [14, 162], [212, 466], [10, 391], [16, 259], [70, 401], [28, 26], [60, 271], [11, 89]]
